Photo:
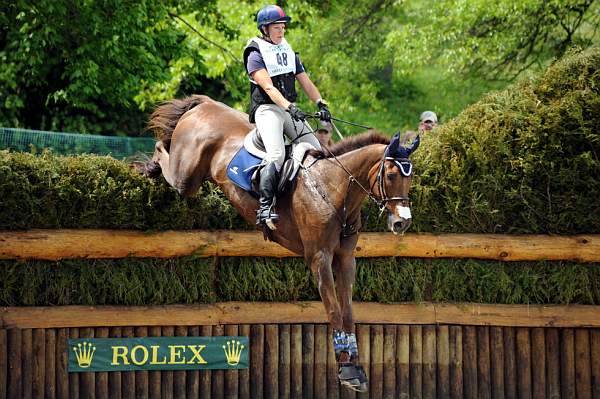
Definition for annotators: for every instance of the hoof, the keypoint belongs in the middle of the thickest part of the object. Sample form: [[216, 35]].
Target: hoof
[[353, 377]]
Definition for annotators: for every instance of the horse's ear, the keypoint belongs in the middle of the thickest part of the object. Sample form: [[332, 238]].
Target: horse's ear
[[392, 148], [413, 147]]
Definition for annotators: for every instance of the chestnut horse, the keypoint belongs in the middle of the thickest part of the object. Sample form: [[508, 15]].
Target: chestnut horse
[[319, 213]]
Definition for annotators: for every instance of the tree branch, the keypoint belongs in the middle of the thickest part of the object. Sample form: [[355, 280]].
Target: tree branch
[[223, 49]]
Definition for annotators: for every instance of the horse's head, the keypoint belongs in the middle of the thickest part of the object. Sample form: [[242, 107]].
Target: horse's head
[[392, 183]]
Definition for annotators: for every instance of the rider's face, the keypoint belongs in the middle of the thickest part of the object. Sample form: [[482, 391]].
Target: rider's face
[[276, 32]]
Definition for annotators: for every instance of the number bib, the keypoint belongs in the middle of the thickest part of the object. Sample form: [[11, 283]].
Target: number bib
[[279, 58]]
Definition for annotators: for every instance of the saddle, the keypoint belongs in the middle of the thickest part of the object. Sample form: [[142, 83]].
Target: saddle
[[243, 169]]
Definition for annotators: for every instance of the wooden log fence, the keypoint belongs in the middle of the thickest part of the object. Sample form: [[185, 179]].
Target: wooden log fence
[[296, 361], [97, 244]]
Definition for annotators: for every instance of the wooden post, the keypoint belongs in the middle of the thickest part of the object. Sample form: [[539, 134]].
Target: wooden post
[[416, 362], [244, 375], [87, 380], [363, 338], [552, 363], [271, 360], [62, 364], [443, 362], [333, 385], [456, 362], [101, 377], [257, 339], [403, 361], [193, 376], [154, 376], [284, 360], [128, 377], [141, 377], [524, 363], [296, 361], [14, 389], [320, 370], [115, 377], [389, 361], [231, 376], [179, 376], [567, 364], [3, 363], [538, 363], [26, 362], [218, 376], [308, 360], [429, 362], [39, 363], [470, 362], [376, 378], [583, 369], [205, 375], [497, 362], [166, 377], [595, 350], [73, 377], [484, 388], [510, 363]]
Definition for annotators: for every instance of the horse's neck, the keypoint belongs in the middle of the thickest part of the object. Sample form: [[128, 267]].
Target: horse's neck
[[361, 161]]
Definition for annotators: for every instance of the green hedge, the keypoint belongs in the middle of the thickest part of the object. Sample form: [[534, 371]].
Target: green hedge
[[190, 280], [523, 160]]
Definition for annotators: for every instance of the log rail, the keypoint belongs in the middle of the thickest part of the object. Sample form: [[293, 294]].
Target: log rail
[[102, 244]]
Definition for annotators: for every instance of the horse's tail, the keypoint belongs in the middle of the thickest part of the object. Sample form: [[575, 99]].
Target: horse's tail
[[165, 117]]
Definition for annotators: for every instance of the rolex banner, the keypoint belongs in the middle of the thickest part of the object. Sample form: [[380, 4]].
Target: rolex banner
[[158, 353]]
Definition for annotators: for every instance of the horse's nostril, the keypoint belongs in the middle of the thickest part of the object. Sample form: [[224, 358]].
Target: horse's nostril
[[398, 225]]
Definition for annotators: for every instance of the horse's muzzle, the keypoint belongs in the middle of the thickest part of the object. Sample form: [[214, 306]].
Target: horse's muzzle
[[399, 222]]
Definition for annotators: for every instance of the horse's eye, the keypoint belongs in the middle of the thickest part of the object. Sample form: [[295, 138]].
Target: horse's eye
[[392, 176]]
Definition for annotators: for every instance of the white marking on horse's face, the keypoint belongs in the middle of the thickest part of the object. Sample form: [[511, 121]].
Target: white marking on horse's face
[[403, 212]]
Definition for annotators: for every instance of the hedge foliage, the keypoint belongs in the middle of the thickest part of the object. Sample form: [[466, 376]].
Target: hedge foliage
[[523, 160], [192, 280]]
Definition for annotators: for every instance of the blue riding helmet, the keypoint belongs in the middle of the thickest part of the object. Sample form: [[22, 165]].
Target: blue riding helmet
[[270, 15]]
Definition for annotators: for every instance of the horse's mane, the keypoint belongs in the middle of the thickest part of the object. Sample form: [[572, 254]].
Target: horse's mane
[[353, 142], [165, 117]]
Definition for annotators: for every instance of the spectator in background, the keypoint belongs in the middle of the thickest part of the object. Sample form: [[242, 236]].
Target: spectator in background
[[323, 133], [428, 121]]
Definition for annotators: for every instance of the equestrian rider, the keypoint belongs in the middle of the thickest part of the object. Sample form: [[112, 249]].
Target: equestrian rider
[[273, 69]]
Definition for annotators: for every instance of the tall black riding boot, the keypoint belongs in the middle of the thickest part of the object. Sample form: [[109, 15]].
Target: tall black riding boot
[[267, 187]]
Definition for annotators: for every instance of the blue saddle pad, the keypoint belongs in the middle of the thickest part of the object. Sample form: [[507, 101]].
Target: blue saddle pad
[[241, 168]]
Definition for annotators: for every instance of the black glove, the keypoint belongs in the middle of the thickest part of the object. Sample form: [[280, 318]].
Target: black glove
[[295, 113], [324, 113]]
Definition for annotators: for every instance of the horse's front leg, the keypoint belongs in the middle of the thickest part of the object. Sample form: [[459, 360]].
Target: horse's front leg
[[351, 372], [320, 266]]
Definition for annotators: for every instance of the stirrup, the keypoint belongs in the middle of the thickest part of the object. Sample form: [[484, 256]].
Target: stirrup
[[269, 221]]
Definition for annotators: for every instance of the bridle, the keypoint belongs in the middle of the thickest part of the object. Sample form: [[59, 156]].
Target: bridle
[[405, 167], [403, 164]]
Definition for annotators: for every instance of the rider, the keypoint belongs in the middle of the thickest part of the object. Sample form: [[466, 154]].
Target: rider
[[273, 68]]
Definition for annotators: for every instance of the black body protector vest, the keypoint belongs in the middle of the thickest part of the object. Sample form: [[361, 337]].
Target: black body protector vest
[[280, 61]]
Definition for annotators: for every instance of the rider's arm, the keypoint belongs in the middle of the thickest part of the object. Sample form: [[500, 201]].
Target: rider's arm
[[308, 86], [262, 78]]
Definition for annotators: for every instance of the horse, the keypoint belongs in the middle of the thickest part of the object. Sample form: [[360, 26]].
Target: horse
[[320, 212]]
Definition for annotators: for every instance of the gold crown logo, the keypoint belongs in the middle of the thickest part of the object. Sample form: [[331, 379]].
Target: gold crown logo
[[233, 352], [84, 354]]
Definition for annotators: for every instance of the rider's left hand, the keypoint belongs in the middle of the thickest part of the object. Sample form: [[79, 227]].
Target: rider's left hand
[[324, 113]]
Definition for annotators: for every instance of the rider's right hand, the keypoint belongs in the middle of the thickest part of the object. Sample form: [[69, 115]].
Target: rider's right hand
[[296, 113]]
